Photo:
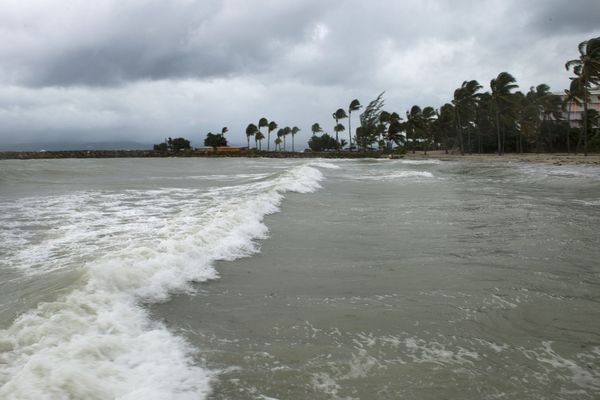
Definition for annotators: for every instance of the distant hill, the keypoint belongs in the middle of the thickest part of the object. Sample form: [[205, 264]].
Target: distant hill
[[72, 146]]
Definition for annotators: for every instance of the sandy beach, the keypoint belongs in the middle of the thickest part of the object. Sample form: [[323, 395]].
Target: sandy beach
[[548, 158]]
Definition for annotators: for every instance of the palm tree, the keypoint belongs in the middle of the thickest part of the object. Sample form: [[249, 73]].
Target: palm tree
[[272, 127], [338, 128], [587, 68], [412, 125], [445, 120], [354, 106], [224, 130], [280, 135], [573, 96], [251, 130], [293, 133], [258, 138], [501, 91], [465, 101], [278, 142], [427, 118], [263, 123], [316, 128], [339, 114]]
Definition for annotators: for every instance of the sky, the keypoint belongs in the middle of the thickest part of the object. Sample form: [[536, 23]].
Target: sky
[[143, 70]]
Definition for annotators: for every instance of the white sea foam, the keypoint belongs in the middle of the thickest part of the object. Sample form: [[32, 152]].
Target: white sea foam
[[420, 162], [323, 164], [98, 342], [397, 175]]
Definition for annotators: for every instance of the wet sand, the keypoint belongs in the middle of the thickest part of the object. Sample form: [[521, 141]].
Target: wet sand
[[548, 158]]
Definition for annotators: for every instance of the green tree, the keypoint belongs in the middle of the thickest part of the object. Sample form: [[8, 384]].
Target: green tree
[[501, 99], [272, 127], [322, 143], [587, 68], [278, 143], [354, 106], [465, 101], [215, 140], [251, 130], [263, 123], [293, 132], [337, 129], [367, 133], [316, 128], [339, 114], [258, 138], [445, 123]]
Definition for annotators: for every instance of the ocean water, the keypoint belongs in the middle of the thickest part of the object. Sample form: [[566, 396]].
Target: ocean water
[[298, 279]]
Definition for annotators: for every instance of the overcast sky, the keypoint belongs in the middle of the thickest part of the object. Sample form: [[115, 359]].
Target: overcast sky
[[141, 70]]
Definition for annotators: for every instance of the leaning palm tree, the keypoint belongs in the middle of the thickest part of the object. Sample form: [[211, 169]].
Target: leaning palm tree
[[338, 128], [293, 132], [251, 130], [339, 114], [280, 135], [427, 117], [501, 97], [465, 101], [316, 128], [272, 127], [258, 138], [573, 96], [263, 123], [587, 68], [354, 106], [286, 131]]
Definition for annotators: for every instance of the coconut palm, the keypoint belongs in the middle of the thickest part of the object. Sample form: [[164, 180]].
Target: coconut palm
[[293, 132], [573, 96], [251, 130], [338, 128], [501, 98], [339, 114], [427, 117], [258, 139], [587, 68], [272, 127], [263, 123], [445, 122], [278, 143], [465, 102], [316, 128], [413, 122], [354, 106]]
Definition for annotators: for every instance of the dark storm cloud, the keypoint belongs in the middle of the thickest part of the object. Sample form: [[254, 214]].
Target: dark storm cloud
[[557, 17], [154, 68], [153, 40]]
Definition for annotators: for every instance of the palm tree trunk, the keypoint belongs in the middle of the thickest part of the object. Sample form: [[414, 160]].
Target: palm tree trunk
[[460, 133], [292, 143], [268, 140], [569, 128], [498, 131], [248, 137], [283, 142], [585, 122], [349, 130], [469, 141]]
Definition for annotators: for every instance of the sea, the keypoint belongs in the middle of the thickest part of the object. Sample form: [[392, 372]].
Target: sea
[[231, 278]]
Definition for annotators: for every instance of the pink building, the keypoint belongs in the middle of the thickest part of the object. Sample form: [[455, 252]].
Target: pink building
[[576, 110]]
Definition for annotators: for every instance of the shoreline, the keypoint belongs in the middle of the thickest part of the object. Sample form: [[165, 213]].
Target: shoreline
[[546, 158], [543, 158]]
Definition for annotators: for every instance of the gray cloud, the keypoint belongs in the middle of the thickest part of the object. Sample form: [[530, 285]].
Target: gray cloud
[[154, 68]]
